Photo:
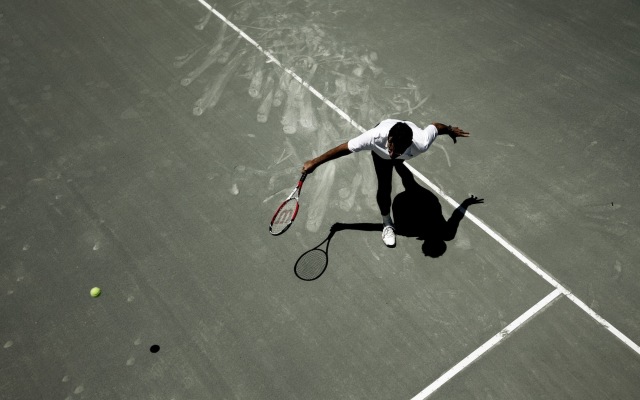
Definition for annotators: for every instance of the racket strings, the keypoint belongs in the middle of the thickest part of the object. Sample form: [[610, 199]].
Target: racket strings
[[283, 218], [311, 264]]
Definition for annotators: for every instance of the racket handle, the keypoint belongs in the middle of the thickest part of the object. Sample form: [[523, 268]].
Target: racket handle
[[303, 177]]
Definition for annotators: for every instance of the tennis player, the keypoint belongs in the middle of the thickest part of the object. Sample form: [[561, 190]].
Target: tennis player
[[391, 142]]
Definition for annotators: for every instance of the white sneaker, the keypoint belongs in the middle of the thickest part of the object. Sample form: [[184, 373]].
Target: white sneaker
[[389, 236]]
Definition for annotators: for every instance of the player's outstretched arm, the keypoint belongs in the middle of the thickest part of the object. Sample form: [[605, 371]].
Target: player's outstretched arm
[[453, 131], [336, 152]]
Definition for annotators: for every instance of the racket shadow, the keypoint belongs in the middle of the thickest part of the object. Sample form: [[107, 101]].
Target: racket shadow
[[313, 262]]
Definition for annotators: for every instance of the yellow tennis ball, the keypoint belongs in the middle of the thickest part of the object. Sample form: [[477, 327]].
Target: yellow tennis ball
[[95, 292]]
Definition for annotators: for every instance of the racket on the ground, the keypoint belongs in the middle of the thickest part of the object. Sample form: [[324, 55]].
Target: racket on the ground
[[286, 213], [313, 263]]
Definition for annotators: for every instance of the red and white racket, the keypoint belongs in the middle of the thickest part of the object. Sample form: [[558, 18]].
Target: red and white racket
[[286, 213]]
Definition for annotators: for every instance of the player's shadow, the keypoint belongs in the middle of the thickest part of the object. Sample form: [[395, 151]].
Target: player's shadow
[[418, 213]]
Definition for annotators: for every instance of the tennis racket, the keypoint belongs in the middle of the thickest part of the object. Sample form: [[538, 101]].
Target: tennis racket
[[313, 263], [286, 213]]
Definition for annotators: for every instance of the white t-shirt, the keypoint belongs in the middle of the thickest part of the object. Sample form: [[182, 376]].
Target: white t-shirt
[[375, 140]]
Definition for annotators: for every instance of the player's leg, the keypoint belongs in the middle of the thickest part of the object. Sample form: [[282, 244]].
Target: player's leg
[[384, 170], [408, 180]]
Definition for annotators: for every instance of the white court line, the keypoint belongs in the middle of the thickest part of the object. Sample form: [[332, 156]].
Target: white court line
[[533, 266], [274, 60], [604, 323], [494, 341], [512, 249], [492, 233]]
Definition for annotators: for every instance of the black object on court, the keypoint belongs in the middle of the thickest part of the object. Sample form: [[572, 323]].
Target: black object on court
[[313, 263], [155, 348]]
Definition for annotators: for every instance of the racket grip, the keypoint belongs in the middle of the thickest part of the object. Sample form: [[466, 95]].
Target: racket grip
[[303, 177]]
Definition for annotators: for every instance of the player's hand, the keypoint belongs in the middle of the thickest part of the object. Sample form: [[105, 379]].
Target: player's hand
[[308, 167], [455, 132], [472, 200]]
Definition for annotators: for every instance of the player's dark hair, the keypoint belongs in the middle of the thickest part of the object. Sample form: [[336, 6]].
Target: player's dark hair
[[401, 135]]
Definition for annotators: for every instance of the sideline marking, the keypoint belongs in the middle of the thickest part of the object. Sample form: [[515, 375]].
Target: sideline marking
[[488, 345], [274, 60], [604, 323], [533, 266], [512, 249], [517, 253]]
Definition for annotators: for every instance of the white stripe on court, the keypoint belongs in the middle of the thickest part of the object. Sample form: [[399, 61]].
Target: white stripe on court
[[274, 60], [533, 266], [489, 344], [604, 323], [492, 233], [559, 288]]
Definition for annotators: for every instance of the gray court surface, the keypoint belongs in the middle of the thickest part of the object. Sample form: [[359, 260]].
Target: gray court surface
[[132, 159]]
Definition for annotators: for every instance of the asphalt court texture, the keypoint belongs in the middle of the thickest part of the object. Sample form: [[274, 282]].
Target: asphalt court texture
[[132, 159]]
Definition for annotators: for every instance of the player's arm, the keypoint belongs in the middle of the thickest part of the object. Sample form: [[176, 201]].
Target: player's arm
[[336, 152], [453, 131]]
